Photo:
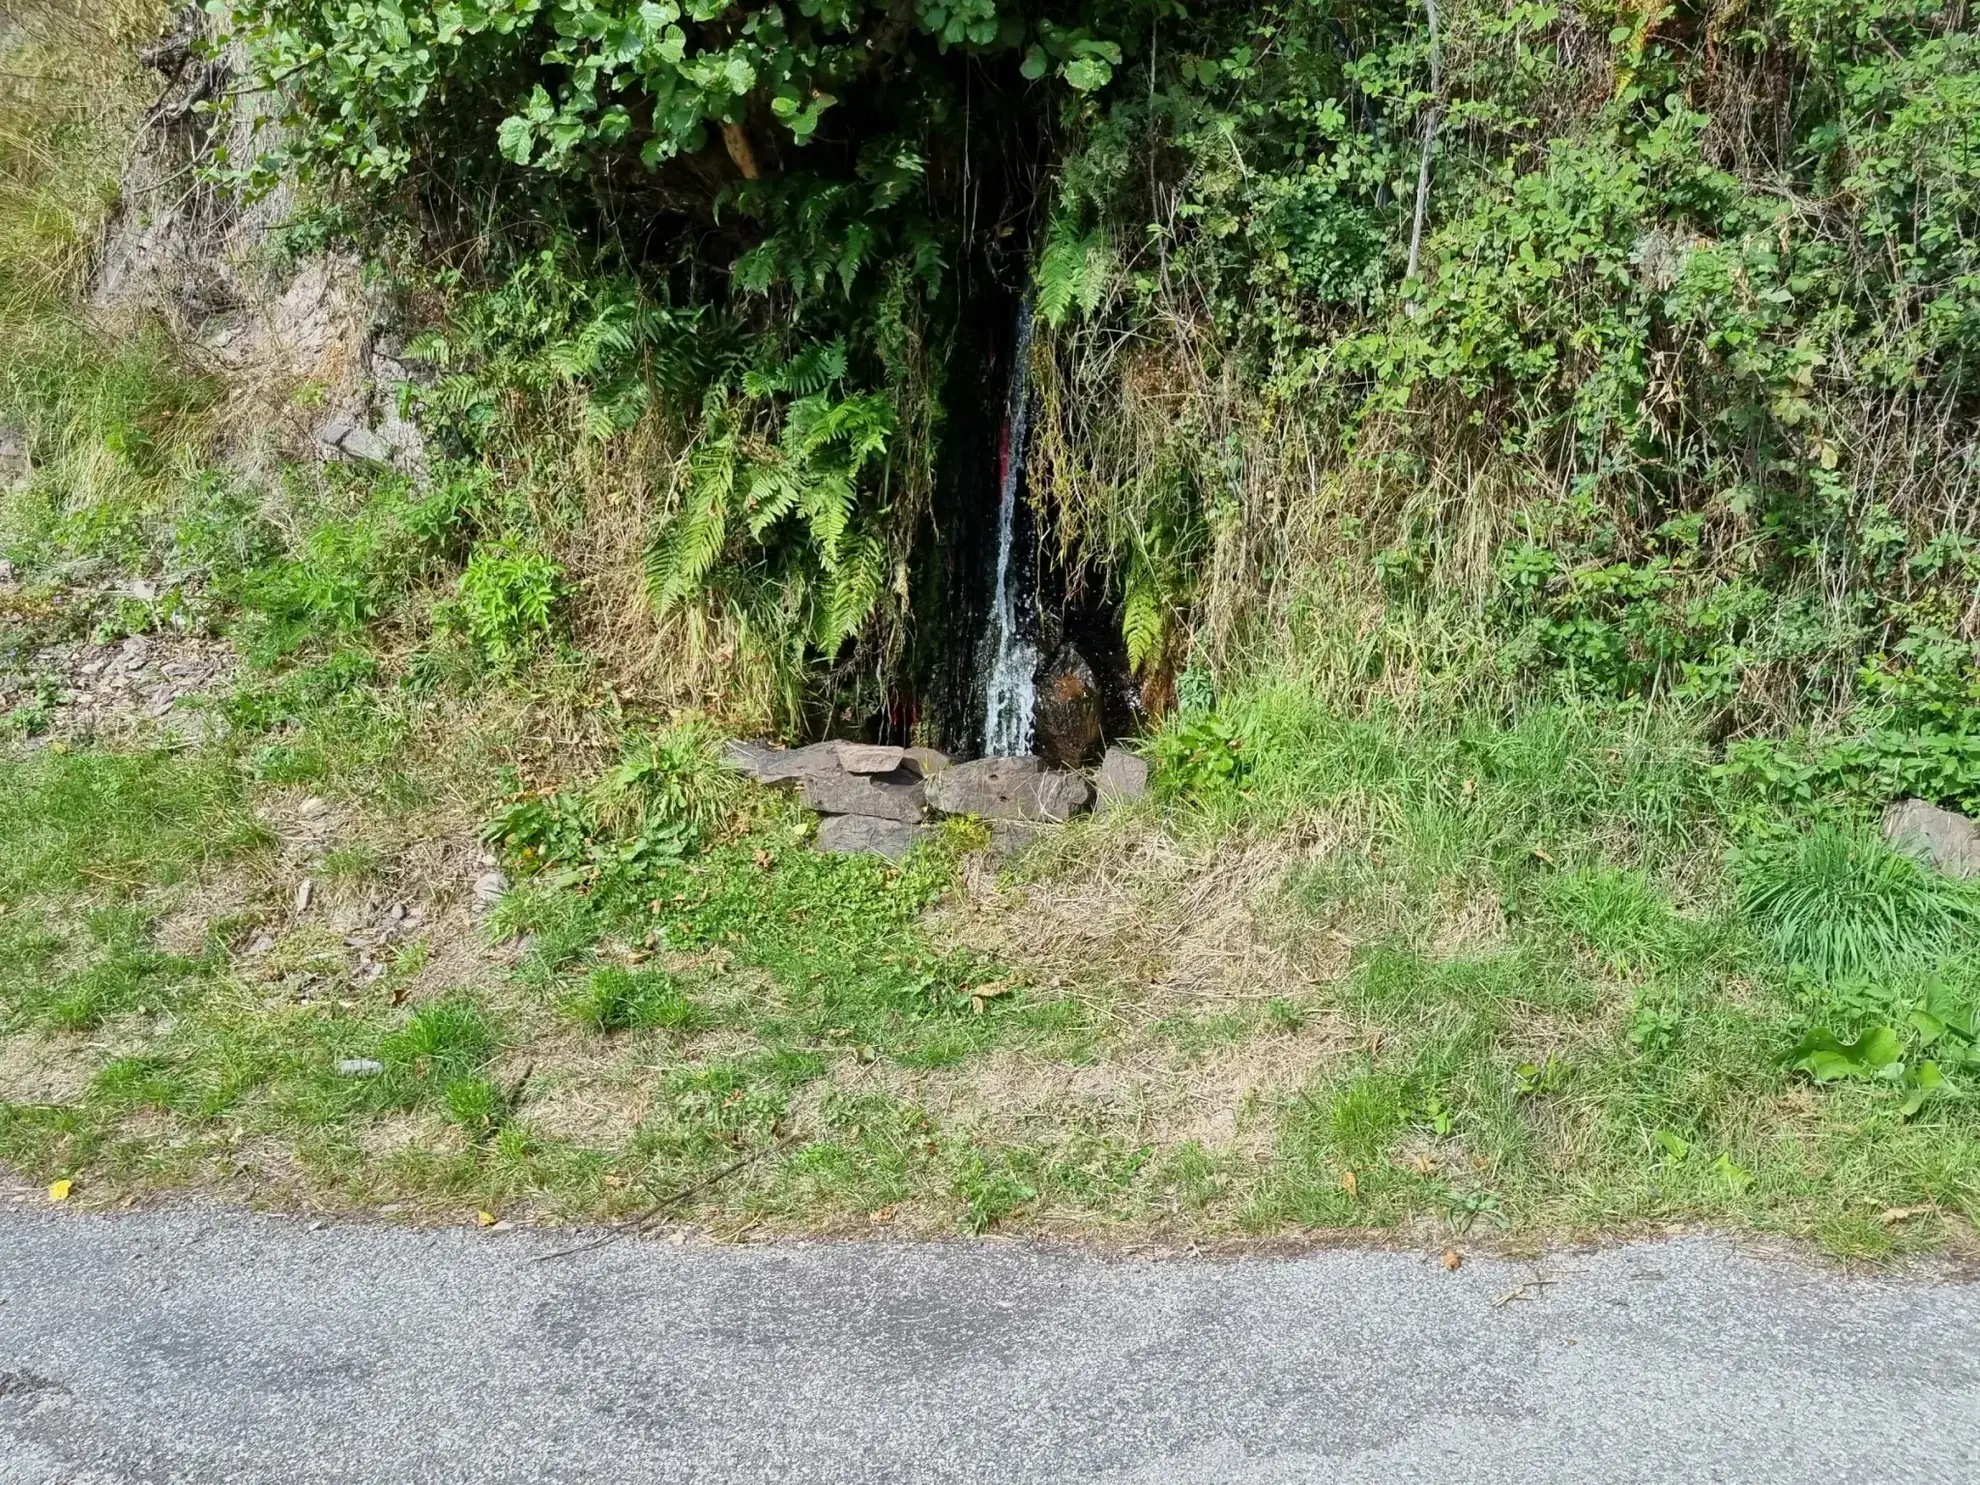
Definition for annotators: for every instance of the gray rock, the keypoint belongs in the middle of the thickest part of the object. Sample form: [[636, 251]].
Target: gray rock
[[925, 761], [339, 439], [15, 466], [1947, 841], [768, 765], [1008, 789], [866, 758], [360, 1067], [894, 796], [1066, 724], [489, 887], [1122, 778], [865, 835]]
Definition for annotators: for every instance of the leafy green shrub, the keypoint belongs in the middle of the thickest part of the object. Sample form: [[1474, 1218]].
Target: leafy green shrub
[[615, 999], [1841, 902], [507, 594], [676, 775], [337, 584], [1201, 756], [668, 794], [1909, 1041]]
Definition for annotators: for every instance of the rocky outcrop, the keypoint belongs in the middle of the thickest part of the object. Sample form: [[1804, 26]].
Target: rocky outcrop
[[179, 249], [875, 797], [1945, 840], [1009, 789]]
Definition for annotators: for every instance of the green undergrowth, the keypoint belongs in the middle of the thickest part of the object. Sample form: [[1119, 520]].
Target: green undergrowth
[[1607, 983], [1555, 975]]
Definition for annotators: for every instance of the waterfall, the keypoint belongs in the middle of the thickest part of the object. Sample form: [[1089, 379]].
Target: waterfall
[[1010, 666]]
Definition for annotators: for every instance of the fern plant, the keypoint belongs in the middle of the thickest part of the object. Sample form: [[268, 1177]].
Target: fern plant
[[796, 518]]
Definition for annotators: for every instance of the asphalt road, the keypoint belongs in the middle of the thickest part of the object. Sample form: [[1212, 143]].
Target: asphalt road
[[228, 1349]]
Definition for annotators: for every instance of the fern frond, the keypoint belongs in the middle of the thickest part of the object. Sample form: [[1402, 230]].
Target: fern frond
[[771, 492], [691, 543], [1076, 269], [1144, 624], [852, 594], [827, 505]]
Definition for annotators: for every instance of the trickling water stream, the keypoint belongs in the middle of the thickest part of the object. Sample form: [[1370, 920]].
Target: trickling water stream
[[1010, 658]]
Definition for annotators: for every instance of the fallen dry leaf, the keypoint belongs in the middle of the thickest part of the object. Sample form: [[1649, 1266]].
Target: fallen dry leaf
[[484, 1219], [60, 1190], [1902, 1214], [1453, 1260], [1350, 1184], [1425, 1164]]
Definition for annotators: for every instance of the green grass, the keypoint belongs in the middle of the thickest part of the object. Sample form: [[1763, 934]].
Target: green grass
[[1844, 903], [115, 824], [1534, 990]]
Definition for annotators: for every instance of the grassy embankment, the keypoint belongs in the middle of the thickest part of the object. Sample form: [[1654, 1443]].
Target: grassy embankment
[[1411, 964]]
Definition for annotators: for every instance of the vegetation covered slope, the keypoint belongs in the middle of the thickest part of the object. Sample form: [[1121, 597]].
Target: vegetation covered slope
[[1528, 466]]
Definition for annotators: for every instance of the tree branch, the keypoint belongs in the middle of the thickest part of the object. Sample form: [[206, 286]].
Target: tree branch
[[735, 137], [1430, 122]]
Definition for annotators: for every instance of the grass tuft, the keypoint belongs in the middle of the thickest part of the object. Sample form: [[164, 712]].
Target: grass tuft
[[1841, 903]]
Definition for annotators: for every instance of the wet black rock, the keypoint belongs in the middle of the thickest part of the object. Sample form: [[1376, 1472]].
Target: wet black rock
[[1066, 722]]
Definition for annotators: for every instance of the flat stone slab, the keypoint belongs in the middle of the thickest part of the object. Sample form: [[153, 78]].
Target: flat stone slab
[[893, 796], [865, 835], [1009, 789], [775, 766], [1943, 839], [869, 758]]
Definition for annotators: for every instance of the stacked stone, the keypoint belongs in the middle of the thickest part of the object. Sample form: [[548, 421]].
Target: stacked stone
[[878, 799]]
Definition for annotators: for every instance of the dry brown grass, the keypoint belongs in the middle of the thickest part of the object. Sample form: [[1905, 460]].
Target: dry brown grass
[[1188, 927]]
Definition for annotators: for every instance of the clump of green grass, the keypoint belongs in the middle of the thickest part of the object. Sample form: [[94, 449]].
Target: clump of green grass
[[114, 823], [438, 1043], [1840, 902], [615, 999], [1620, 916]]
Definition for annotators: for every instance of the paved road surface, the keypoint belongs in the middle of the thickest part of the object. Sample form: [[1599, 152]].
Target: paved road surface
[[224, 1349]]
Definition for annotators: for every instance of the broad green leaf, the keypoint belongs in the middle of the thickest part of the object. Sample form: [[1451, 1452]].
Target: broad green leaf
[[516, 139]]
